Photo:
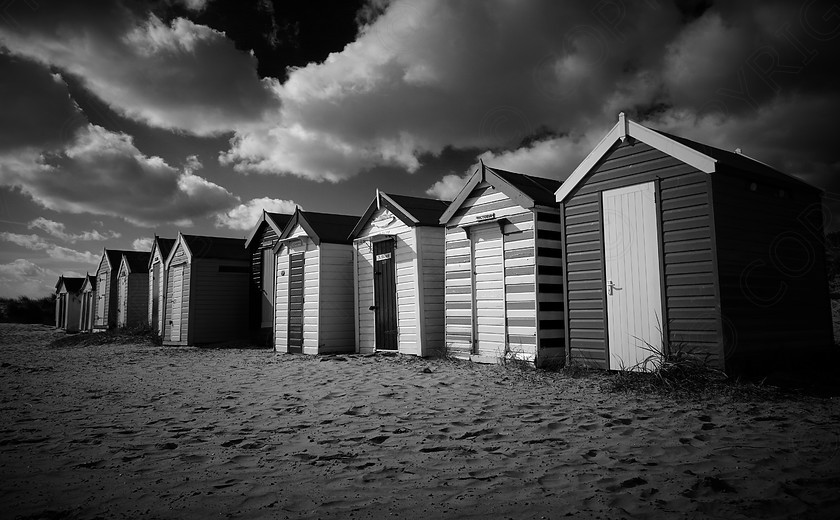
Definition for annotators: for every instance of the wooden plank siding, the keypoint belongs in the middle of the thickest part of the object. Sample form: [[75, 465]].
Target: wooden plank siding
[[431, 258], [551, 314], [336, 325], [266, 238], [774, 296], [281, 302], [157, 263], [458, 293], [105, 316], [218, 301], [179, 258], [684, 209]]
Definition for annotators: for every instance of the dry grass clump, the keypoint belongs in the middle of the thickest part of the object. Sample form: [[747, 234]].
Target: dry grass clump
[[118, 336]]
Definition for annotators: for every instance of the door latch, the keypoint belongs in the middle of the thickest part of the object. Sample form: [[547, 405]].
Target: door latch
[[612, 286]]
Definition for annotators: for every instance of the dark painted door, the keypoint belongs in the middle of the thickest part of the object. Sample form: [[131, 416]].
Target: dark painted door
[[296, 303], [385, 295]]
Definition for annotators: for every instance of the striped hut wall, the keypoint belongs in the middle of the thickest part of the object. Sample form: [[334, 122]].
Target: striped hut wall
[[684, 209], [458, 293], [551, 313], [520, 285]]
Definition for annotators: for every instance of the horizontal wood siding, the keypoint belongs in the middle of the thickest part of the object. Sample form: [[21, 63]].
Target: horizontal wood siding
[[684, 206], [458, 293], [551, 315], [138, 299], [103, 295], [366, 338], [431, 244], [336, 318], [266, 238], [157, 259], [219, 301], [519, 266], [771, 263]]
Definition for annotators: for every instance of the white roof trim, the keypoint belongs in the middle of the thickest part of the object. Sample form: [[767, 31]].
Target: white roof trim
[[624, 128]]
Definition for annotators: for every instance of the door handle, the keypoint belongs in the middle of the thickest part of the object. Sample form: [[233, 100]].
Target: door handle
[[612, 286], [372, 308]]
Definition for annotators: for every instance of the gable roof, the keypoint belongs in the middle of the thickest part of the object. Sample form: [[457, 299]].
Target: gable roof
[[705, 158], [89, 281], [115, 257], [137, 261], [277, 221], [164, 245], [412, 211], [218, 248], [73, 285], [331, 228], [525, 190]]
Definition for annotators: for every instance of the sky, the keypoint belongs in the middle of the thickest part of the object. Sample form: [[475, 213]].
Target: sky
[[124, 119]]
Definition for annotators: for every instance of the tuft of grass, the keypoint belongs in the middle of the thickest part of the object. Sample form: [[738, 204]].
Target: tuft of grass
[[516, 359]]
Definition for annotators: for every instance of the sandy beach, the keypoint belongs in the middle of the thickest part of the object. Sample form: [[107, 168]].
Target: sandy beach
[[141, 431]]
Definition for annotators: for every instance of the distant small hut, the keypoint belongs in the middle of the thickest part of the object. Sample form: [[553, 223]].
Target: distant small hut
[[105, 310], [88, 295], [133, 289], [68, 303]]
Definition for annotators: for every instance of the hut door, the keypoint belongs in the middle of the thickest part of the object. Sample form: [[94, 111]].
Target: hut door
[[267, 282], [101, 288], [385, 295], [122, 297], [296, 267], [488, 290], [177, 284], [156, 295], [634, 299], [62, 311]]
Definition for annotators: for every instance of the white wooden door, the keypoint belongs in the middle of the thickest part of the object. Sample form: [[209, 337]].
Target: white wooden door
[[177, 284], [488, 290], [101, 319], [122, 298], [633, 292]]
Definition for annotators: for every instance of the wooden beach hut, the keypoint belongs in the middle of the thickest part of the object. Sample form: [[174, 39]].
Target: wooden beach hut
[[105, 310], [260, 244], [504, 281], [206, 291], [314, 289], [398, 273], [161, 247], [88, 293], [669, 238], [68, 303], [133, 289]]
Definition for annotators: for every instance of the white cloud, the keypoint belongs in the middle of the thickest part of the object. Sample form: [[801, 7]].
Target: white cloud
[[25, 278], [244, 216], [448, 187], [58, 230], [103, 173], [142, 244], [180, 76], [37, 243]]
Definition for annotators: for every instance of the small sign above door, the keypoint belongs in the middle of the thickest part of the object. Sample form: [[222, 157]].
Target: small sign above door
[[383, 256]]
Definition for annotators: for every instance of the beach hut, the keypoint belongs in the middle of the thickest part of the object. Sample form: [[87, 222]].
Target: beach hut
[[161, 247], [398, 275], [68, 303], [133, 289], [314, 288], [105, 310], [88, 295], [713, 250], [260, 244], [206, 291], [504, 281]]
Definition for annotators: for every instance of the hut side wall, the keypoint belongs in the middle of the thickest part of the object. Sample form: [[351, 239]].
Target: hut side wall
[[550, 310], [684, 207], [138, 299], [406, 278], [71, 310], [337, 320], [218, 301], [773, 285], [431, 247], [157, 260], [179, 258], [266, 238]]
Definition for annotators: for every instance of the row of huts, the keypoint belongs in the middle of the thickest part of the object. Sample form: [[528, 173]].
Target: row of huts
[[654, 242]]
